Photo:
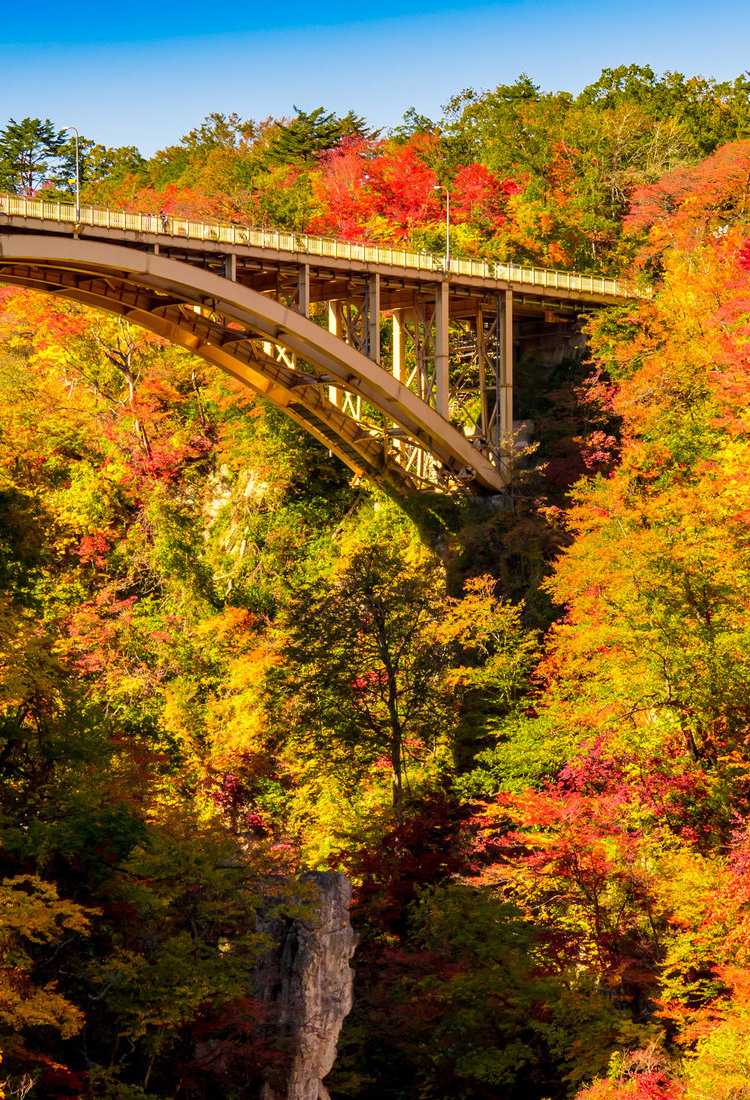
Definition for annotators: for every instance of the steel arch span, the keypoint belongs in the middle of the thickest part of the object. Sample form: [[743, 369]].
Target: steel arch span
[[273, 349]]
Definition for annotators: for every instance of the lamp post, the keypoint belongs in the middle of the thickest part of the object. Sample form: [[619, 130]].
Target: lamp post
[[439, 187], [78, 174]]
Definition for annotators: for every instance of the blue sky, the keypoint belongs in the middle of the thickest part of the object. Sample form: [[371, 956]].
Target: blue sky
[[146, 73]]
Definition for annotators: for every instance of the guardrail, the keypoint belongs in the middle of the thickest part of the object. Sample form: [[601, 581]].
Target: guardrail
[[167, 226]]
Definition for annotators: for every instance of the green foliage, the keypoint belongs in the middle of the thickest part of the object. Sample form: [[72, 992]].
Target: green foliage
[[526, 751], [359, 660], [309, 134], [468, 1004], [711, 112], [413, 123], [26, 149]]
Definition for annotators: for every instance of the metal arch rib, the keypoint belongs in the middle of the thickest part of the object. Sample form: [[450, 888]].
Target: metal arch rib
[[269, 319], [304, 404]]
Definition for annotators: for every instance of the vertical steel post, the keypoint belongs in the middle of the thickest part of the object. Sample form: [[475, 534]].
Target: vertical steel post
[[399, 358], [442, 351], [372, 316], [498, 376], [399, 346], [303, 290], [335, 326], [482, 368], [505, 391]]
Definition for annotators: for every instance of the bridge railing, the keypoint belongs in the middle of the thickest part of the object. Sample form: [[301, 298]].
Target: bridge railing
[[279, 240]]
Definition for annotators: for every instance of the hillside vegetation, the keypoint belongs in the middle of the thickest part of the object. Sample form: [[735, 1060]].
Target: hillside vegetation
[[524, 733]]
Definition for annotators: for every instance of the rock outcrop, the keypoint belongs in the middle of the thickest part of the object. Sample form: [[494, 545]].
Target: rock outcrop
[[305, 982]]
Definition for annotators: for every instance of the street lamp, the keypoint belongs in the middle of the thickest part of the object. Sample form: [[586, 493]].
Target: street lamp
[[78, 174], [439, 187]]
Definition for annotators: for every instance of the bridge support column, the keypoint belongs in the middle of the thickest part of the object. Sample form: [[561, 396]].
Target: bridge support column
[[482, 370], [442, 351], [399, 359], [372, 316], [230, 267], [399, 346], [505, 380], [303, 290], [336, 327]]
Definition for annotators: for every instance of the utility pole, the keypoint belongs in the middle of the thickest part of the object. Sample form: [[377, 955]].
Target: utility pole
[[439, 187], [78, 173]]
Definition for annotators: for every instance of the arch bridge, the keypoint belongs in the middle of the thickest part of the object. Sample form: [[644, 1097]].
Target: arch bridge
[[425, 400]]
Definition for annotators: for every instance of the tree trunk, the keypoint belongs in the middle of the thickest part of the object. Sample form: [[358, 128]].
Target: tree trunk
[[398, 794]]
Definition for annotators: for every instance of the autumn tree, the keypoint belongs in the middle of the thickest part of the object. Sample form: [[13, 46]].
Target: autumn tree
[[361, 662], [683, 205], [220, 658], [97, 164]]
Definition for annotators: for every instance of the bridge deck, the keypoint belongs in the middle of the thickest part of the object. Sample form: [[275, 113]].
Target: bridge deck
[[266, 257]]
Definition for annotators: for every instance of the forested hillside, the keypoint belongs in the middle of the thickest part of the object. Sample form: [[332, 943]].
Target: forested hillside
[[524, 732]]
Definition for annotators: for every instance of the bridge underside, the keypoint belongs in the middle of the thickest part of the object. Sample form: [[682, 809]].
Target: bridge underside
[[373, 421]]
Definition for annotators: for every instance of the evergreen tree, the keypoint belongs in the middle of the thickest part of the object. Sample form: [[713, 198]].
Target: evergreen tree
[[26, 149], [308, 135]]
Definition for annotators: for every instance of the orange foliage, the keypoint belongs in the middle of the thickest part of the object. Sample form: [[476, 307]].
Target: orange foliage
[[681, 207]]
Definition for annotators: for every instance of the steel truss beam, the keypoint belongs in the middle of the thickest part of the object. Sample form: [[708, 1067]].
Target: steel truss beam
[[482, 380], [276, 351]]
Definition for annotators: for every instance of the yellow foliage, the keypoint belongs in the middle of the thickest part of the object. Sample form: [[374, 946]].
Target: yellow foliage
[[720, 1066], [33, 915], [26, 667]]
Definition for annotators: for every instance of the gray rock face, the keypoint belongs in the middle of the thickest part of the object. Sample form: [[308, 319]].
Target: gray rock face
[[306, 983]]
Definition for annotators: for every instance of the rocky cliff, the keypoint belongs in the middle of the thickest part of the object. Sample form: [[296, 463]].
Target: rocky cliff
[[305, 982]]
